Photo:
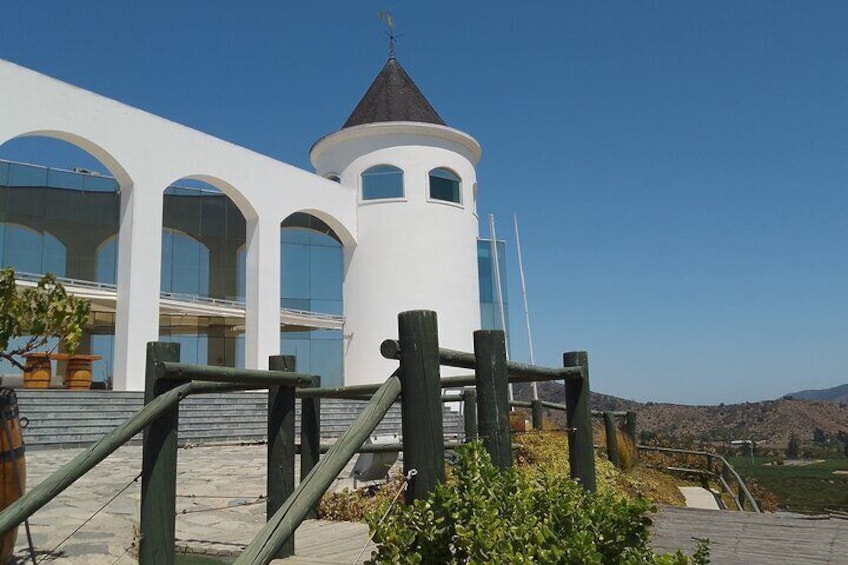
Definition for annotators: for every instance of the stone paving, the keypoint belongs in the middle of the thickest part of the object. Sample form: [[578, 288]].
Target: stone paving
[[220, 505]]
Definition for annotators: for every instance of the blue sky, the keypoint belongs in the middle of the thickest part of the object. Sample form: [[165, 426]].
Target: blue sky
[[679, 168]]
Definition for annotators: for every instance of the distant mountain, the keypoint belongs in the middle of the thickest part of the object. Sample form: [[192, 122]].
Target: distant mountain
[[834, 394], [771, 423]]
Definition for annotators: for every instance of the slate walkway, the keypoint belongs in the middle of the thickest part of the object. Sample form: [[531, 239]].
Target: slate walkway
[[220, 507]]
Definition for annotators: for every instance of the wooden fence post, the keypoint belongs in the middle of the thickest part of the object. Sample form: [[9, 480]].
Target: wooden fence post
[[310, 434], [578, 415], [493, 395], [612, 439], [421, 405], [536, 414], [469, 413], [280, 480], [630, 428], [159, 466]]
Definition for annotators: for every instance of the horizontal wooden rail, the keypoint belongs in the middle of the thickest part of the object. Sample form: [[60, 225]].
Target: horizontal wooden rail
[[351, 392], [553, 405], [600, 413], [182, 372], [380, 448], [744, 489], [520, 403], [71, 471], [518, 372], [285, 521]]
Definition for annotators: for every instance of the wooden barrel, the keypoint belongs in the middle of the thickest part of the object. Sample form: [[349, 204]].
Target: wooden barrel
[[37, 371], [12, 463], [78, 373]]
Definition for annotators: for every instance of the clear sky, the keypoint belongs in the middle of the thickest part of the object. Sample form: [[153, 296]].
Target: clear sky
[[679, 168]]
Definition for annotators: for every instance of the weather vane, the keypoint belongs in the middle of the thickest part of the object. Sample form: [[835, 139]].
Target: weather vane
[[386, 18]]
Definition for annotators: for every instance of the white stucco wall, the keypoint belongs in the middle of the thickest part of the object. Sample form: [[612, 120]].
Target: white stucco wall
[[412, 253], [146, 154]]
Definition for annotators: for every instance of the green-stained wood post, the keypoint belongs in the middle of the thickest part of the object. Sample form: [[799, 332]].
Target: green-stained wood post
[[612, 439], [421, 407], [630, 431], [536, 414], [493, 395], [281, 449], [159, 466], [578, 415], [469, 414], [310, 434]]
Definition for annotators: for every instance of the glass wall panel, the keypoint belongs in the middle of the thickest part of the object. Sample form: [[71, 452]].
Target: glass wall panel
[[57, 220], [318, 352], [490, 310], [311, 265], [63, 222], [202, 242], [185, 265]]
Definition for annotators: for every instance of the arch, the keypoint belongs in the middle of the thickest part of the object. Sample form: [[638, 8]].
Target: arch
[[382, 182], [242, 203], [445, 185], [339, 230], [96, 150]]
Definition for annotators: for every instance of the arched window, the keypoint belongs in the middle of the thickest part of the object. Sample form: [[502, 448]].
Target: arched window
[[382, 181], [444, 185]]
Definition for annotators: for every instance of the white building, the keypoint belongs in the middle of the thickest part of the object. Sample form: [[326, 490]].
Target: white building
[[394, 189]]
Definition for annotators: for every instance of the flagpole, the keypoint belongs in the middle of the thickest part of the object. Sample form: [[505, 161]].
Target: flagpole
[[524, 299]]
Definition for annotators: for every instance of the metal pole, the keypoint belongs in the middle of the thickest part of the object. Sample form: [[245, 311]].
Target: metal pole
[[499, 288], [534, 386]]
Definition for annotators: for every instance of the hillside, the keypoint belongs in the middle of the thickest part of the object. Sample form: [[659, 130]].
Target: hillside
[[771, 423], [833, 394]]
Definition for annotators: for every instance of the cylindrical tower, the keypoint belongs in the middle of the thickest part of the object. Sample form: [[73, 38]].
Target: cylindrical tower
[[416, 224]]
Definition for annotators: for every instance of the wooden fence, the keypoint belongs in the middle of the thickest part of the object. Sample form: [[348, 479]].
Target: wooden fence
[[416, 382]]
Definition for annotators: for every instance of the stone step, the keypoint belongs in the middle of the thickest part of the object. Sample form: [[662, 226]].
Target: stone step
[[59, 418]]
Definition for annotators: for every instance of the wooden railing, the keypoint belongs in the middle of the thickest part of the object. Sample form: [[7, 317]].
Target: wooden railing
[[609, 417], [715, 467], [417, 383]]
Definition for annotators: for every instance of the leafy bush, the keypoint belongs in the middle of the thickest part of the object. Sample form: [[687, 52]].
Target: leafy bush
[[484, 516], [40, 312], [353, 505]]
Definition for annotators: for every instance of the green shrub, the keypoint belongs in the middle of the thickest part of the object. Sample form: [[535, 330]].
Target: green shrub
[[484, 516]]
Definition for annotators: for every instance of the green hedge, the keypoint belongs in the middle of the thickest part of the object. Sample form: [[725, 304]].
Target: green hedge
[[482, 516]]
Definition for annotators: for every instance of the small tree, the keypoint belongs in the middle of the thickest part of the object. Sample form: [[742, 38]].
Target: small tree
[[41, 312], [793, 448]]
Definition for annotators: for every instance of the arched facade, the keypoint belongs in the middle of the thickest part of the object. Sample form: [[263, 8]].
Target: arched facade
[[145, 154]]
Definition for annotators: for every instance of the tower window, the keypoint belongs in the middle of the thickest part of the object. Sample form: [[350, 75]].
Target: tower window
[[382, 181], [444, 185]]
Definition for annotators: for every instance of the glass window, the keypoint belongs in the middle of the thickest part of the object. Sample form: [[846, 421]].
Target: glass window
[[382, 181], [444, 185]]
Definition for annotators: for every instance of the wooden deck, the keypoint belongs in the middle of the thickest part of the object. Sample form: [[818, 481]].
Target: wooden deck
[[753, 539], [736, 538], [318, 542]]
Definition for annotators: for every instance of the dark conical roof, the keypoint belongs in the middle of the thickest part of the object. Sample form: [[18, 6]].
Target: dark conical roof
[[393, 97]]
